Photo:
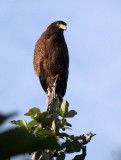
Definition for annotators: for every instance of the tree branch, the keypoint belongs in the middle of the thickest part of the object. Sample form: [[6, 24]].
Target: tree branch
[[83, 147], [52, 103]]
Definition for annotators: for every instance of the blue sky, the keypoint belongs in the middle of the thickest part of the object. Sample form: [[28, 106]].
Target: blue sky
[[93, 37]]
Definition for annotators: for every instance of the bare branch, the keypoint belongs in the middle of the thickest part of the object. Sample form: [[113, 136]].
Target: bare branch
[[90, 135], [83, 147]]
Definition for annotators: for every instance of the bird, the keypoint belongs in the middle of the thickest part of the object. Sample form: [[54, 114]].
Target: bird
[[51, 58]]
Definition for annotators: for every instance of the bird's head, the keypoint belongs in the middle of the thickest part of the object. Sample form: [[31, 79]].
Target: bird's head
[[58, 26], [61, 25]]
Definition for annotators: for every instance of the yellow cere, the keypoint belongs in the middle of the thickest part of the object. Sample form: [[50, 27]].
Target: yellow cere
[[62, 26]]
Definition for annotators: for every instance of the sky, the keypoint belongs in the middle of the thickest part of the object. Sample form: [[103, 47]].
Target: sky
[[93, 38]]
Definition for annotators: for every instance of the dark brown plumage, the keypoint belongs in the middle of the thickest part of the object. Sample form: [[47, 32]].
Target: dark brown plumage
[[51, 58]]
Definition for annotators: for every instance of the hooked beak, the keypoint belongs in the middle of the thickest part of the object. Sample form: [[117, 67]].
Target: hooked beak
[[62, 26]]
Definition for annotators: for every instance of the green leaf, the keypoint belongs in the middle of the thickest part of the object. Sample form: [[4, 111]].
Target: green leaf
[[32, 123], [65, 123], [71, 113], [72, 146], [33, 112], [81, 137], [68, 128], [21, 123], [64, 107], [76, 146], [54, 126], [63, 110], [68, 145], [46, 132], [60, 112], [19, 141], [45, 119], [38, 128], [68, 124], [62, 135]]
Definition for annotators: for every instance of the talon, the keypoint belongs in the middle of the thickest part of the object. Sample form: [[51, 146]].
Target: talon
[[56, 77], [48, 89]]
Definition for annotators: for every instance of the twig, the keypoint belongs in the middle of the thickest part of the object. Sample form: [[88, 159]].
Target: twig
[[90, 135], [83, 147]]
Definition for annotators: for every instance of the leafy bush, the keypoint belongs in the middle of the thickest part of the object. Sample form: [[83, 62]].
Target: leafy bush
[[45, 125]]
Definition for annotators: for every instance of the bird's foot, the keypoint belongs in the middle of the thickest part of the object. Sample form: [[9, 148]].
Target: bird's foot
[[48, 89], [56, 77]]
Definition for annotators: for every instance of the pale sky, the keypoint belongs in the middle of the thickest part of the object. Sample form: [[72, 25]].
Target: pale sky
[[93, 38]]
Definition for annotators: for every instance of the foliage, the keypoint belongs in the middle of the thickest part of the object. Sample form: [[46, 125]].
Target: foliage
[[19, 140], [44, 124], [44, 133]]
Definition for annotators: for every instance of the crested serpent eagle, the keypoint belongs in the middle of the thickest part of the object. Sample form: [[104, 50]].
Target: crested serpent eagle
[[51, 58]]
